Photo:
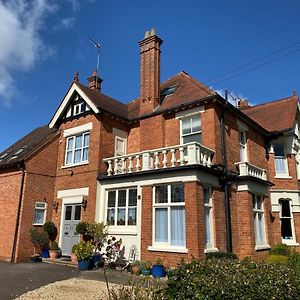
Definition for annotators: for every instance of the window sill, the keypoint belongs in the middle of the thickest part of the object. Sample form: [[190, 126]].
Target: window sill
[[168, 249], [75, 165], [283, 177], [38, 224], [262, 247], [124, 231], [211, 250], [290, 242]]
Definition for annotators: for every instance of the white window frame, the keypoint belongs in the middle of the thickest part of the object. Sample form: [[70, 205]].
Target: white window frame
[[124, 140], [243, 146], [190, 117], [126, 226], [40, 209], [256, 212], [161, 246], [82, 147], [284, 159], [208, 206], [293, 240]]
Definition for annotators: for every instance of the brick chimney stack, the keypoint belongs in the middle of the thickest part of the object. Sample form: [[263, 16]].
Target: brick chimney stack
[[95, 82], [242, 104], [150, 71]]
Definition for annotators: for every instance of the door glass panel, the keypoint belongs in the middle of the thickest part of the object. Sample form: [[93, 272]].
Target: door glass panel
[[77, 212], [68, 213]]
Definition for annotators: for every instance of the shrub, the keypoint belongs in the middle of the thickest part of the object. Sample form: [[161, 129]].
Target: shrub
[[54, 246], [98, 233], [221, 255], [81, 228], [280, 249], [38, 237], [277, 259], [294, 261], [231, 279], [51, 230], [84, 250]]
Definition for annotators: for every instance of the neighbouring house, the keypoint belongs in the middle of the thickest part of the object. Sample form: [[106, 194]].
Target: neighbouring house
[[176, 173]]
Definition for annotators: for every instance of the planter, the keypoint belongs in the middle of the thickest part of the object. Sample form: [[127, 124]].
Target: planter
[[136, 270], [158, 271], [84, 265], [73, 258], [146, 272], [45, 253], [96, 258], [53, 254]]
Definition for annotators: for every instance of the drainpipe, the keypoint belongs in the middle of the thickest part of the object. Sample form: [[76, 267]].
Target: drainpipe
[[13, 253], [226, 179]]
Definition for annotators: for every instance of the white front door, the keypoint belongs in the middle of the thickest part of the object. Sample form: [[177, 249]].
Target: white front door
[[71, 218]]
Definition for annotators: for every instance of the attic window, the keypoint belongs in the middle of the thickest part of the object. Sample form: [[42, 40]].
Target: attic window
[[3, 155], [168, 90], [18, 152]]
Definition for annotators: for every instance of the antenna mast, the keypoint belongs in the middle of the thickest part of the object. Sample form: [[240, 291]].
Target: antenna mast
[[96, 45]]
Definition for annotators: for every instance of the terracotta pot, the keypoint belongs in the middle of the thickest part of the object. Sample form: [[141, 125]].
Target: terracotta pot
[[53, 254], [73, 258]]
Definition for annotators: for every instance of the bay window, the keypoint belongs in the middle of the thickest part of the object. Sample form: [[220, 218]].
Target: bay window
[[259, 220], [77, 148], [122, 207], [169, 215]]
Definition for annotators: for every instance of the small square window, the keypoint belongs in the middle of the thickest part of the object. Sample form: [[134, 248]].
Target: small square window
[[39, 213]]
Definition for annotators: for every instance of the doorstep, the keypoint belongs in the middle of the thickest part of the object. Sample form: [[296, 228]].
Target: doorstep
[[63, 261]]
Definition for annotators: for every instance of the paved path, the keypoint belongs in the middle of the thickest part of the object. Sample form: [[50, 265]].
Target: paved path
[[17, 279]]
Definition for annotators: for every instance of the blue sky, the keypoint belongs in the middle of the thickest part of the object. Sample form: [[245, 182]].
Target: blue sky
[[43, 43]]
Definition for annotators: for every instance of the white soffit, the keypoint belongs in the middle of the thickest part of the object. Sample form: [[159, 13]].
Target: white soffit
[[66, 101]]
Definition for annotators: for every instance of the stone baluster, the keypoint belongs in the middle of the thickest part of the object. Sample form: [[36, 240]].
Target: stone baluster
[[173, 158], [116, 167], [138, 163], [165, 162], [181, 157], [110, 169], [130, 167], [156, 160], [123, 165]]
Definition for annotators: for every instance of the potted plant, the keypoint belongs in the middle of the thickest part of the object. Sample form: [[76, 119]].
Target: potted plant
[[146, 267], [158, 269], [136, 267], [39, 238], [98, 233], [84, 251], [81, 228], [73, 254], [51, 230], [54, 250]]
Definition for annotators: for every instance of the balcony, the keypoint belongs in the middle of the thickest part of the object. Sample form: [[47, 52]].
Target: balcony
[[247, 169], [162, 158]]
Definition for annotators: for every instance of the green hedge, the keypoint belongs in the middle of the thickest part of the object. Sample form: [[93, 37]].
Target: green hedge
[[231, 279]]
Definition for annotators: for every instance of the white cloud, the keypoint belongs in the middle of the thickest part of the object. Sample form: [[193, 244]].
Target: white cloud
[[21, 43]]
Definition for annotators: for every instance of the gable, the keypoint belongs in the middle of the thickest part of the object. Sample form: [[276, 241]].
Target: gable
[[74, 103]]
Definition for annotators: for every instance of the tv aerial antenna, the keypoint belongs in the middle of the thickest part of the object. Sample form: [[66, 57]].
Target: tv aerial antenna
[[98, 46]]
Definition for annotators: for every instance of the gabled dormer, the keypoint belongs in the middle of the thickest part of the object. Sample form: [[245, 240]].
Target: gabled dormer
[[77, 107]]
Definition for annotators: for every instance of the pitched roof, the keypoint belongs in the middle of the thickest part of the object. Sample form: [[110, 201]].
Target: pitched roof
[[187, 90], [274, 116], [26, 146]]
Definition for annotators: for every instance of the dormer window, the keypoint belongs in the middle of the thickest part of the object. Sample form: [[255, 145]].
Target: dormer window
[[77, 107], [3, 155]]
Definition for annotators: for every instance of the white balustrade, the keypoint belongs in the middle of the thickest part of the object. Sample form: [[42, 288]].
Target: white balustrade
[[168, 157], [247, 169]]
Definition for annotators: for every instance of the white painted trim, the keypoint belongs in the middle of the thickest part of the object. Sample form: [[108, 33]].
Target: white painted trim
[[283, 176], [291, 243], [211, 250], [75, 165], [253, 187], [189, 112], [78, 129], [168, 249], [66, 101], [121, 133], [262, 247], [73, 192]]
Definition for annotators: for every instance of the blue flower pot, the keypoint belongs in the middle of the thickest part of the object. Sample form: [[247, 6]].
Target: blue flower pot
[[45, 253], [83, 265], [96, 260], [158, 271]]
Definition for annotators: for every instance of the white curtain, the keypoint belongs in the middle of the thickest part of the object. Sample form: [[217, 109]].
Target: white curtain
[[161, 225], [280, 165], [207, 226], [178, 226]]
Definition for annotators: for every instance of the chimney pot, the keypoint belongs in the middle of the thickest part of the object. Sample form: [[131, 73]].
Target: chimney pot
[[147, 34], [95, 82], [153, 32]]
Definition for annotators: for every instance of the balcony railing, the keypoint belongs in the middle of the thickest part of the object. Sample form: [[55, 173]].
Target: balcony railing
[[162, 158], [247, 169]]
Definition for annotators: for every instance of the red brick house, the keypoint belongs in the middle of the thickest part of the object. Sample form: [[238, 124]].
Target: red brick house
[[177, 172]]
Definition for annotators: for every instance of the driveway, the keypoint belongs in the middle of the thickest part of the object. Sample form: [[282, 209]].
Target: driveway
[[17, 279]]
